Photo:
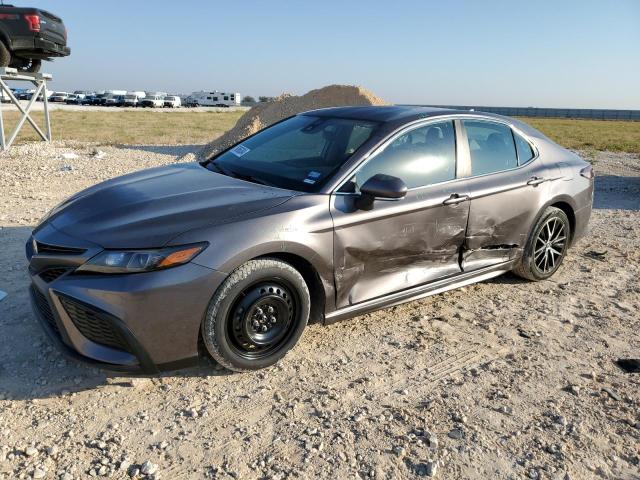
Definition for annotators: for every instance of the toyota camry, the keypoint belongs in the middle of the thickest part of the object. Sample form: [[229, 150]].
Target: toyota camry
[[323, 216]]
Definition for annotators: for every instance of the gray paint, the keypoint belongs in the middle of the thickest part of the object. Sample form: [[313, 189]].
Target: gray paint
[[398, 250]]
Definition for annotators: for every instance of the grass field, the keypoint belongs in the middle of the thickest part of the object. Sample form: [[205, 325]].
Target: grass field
[[126, 127], [615, 136], [146, 127]]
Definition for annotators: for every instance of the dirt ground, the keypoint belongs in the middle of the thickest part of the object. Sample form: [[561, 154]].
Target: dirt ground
[[503, 379]]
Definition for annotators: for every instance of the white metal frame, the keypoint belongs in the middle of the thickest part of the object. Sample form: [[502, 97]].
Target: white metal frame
[[40, 82]]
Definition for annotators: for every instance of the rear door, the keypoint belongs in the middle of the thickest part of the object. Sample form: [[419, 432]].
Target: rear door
[[400, 244], [507, 185]]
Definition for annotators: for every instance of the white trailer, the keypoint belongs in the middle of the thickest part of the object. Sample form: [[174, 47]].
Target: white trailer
[[214, 99]]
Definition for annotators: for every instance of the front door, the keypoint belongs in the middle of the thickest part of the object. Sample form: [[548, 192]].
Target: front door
[[399, 244]]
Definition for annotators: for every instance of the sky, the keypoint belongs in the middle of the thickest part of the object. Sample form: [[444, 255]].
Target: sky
[[544, 53]]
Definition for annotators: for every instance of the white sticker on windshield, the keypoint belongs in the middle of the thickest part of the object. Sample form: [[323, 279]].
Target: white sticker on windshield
[[240, 150], [308, 180], [314, 174]]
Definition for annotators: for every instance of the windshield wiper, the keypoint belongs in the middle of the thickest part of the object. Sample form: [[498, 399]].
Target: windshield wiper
[[231, 173], [251, 178]]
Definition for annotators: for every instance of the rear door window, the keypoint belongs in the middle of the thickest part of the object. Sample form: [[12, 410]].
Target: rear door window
[[491, 147]]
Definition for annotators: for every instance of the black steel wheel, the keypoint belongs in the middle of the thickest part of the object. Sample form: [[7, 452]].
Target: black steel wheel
[[546, 247], [261, 319], [257, 315]]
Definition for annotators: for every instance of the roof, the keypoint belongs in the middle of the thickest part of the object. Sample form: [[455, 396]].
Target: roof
[[387, 113], [398, 115]]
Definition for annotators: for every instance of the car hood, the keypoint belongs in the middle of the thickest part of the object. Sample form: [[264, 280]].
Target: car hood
[[148, 208]]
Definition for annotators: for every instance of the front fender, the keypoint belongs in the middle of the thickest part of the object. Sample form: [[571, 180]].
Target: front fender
[[301, 227]]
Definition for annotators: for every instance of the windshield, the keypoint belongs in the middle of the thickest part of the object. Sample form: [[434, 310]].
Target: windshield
[[300, 153]]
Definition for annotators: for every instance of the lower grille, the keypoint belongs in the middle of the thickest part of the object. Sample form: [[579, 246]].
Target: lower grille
[[93, 326], [44, 308], [50, 274]]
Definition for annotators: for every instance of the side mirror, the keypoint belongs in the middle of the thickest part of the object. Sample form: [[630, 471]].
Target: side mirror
[[380, 186]]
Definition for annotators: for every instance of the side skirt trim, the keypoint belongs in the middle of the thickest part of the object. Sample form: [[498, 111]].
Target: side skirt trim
[[421, 291]]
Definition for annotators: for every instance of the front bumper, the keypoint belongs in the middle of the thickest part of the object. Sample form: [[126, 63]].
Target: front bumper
[[139, 323]]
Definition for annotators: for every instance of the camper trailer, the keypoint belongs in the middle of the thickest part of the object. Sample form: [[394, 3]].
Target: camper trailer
[[214, 99]]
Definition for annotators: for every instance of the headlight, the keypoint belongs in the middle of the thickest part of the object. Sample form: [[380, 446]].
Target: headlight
[[136, 261]]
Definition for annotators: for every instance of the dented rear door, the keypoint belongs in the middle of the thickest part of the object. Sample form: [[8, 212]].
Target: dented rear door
[[503, 204]]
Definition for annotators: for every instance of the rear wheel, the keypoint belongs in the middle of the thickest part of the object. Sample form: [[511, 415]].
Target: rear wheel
[[546, 247], [257, 315]]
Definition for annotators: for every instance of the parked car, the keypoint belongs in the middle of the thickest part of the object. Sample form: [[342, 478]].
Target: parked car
[[153, 101], [132, 99], [88, 99], [58, 97], [172, 101], [26, 94], [114, 100], [99, 99], [74, 99], [326, 215], [30, 35]]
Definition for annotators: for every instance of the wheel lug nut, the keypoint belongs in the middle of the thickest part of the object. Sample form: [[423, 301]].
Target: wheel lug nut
[[255, 324], [272, 319], [259, 311], [264, 328], [270, 309]]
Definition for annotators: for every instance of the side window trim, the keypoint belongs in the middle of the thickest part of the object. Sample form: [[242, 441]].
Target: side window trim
[[534, 150]]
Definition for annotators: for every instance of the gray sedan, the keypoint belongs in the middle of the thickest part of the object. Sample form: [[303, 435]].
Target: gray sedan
[[321, 217]]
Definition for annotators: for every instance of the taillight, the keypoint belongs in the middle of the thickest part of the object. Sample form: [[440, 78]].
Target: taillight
[[34, 22], [587, 172]]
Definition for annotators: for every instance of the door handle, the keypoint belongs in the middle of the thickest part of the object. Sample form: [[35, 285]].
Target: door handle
[[454, 199], [535, 181]]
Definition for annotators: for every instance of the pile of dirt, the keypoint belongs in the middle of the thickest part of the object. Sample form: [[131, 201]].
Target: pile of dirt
[[268, 113]]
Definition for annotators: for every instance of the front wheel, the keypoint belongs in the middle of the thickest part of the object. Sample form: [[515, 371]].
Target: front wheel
[[546, 247], [257, 315]]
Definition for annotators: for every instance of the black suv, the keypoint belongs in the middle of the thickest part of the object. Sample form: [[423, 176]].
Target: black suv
[[28, 36]]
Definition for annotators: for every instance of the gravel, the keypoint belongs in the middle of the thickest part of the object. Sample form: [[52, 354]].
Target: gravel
[[552, 405]]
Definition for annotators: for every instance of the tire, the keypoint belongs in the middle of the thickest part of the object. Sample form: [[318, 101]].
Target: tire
[[236, 330], [5, 55], [538, 261]]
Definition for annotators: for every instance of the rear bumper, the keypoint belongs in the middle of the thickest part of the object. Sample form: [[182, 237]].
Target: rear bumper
[[38, 47]]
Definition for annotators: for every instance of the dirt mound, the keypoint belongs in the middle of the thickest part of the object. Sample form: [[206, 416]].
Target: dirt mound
[[265, 114]]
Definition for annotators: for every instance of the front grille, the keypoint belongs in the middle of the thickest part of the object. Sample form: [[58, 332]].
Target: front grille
[[42, 304], [48, 249], [50, 274], [93, 326]]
